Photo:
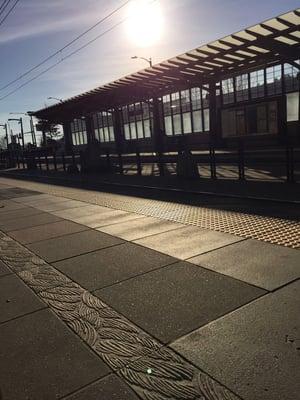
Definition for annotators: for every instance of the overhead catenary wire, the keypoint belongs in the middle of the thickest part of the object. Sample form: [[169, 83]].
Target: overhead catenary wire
[[4, 5], [67, 56], [63, 59], [9, 12], [65, 46]]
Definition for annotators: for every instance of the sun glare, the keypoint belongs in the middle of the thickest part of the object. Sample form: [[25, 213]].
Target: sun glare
[[145, 22]]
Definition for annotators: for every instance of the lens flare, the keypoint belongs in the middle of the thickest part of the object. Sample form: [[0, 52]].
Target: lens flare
[[145, 22]]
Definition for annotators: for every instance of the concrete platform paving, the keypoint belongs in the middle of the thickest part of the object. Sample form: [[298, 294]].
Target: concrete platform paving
[[145, 294], [262, 264], [188, 241], [140, 228], [171, 301], [110, 387], [19, 213], [108, 266], [27, 222], [43, 359], [16, 299], [47, 231], [67, 246], [254, 350]]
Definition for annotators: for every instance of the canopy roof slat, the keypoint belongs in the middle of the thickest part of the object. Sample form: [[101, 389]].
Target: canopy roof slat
[[271, 41]]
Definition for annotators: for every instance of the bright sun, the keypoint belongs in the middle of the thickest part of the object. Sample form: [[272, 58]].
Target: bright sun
[[145, 22]]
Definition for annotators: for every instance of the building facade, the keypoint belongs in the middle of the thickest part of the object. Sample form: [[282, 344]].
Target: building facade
[[242, 87]]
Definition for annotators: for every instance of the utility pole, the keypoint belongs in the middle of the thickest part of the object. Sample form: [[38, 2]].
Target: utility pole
[[32, 131], [22, 130], [22, 133], [6, 133]]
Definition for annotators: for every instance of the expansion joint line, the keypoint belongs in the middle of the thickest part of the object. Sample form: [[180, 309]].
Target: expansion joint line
[[152, 370]]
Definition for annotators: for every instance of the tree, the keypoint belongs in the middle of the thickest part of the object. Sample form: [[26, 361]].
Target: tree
[[50, 131]]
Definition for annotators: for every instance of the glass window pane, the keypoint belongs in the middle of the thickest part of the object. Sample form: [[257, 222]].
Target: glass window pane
[[273, 79], [112, 133], [196, 98], [187, 123], [140, 132], [177, 124], [241, 87], [228, 91], [206, 120], [133, 130], [106, 134], [127, 132], [168, 126], [185, 100], [101, 133], [292, 105], [147, 128], [205, 96], [197, 121], [291, 79]]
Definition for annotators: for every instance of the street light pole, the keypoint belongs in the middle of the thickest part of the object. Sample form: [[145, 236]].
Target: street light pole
[[6, 133], [22, 130], [55, 98], [148, 60], [32, 130], [22, 133]]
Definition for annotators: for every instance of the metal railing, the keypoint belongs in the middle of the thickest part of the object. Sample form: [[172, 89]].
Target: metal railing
[[279, 163]]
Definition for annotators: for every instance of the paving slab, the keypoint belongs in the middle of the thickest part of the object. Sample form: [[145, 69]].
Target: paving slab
[[262, 264], [72, 245], [140, 227], [188, 241], [8, 206], [16, 298], [41, 196], [61, 205], [106, 217], [4, 270], [27, 222], [108, 266], [109, 388], [80, 212], [19, 213], [16, 192], [57, 361], [174, 300], [43, 203], [254, 350], [47, 231], [115, 217]]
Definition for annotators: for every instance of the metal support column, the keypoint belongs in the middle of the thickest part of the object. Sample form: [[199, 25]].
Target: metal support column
[[67, 137], [157, 135]]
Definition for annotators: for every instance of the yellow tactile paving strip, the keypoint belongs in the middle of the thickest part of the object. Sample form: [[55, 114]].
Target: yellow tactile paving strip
[[268, 229]]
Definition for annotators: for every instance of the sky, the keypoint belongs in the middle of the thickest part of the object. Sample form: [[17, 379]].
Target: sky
[[37, 28]]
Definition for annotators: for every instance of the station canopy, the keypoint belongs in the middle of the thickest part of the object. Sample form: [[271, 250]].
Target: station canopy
[[273, 41]]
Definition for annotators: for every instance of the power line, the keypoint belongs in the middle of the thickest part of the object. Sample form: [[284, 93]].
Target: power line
[[11, 9], [4, 6], [63, 59], [65, 46]]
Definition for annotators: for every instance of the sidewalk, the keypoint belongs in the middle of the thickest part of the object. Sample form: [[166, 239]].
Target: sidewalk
[[100, 301]]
